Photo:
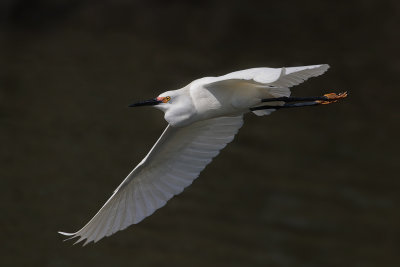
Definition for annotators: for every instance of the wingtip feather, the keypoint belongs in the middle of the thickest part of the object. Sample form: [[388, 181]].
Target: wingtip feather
[[66, 234]]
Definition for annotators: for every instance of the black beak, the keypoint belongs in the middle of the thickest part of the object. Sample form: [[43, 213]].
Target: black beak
[[150, 102]]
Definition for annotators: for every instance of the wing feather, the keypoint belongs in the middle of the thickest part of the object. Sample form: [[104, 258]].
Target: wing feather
[[172, 164], [276, 80], [258, 83]]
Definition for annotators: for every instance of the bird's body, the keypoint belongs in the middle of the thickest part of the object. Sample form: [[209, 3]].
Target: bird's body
[[203, 118], [233, 93]]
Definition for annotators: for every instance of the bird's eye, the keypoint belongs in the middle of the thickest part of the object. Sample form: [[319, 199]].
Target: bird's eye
[[166, 99]]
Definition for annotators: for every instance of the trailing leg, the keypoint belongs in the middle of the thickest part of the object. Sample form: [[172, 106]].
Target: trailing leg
[[315, 100]]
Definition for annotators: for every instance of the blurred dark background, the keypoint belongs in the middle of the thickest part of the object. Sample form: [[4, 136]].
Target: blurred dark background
[[305, 187]]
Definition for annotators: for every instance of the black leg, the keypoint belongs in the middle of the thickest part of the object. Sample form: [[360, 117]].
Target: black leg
[[295, 105], [315, 100], [295, 99]]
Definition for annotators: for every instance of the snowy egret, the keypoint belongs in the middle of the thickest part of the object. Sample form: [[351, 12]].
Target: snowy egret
[[203, 117]]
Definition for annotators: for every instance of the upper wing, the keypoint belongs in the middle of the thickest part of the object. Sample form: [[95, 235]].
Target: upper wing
[[273, 77], [259, 83], [177, 158]]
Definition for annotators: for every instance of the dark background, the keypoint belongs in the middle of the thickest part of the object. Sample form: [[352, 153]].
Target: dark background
[[305, 187]]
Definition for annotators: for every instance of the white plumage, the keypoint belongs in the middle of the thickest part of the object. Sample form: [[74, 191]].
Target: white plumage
[[203, 118]]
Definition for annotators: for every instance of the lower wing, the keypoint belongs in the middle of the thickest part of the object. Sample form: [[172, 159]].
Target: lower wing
[[177, 158]]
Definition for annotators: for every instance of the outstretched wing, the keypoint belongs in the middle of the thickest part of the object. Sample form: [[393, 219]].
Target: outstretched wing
[[272, 77], [261, 82], [177, 158]]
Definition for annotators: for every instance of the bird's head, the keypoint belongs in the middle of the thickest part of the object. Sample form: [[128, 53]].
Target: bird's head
[[152, 102], [177, 105], [165, 101]]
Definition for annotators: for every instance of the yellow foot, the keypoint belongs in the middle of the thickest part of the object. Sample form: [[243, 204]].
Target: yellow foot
[[332, 98]]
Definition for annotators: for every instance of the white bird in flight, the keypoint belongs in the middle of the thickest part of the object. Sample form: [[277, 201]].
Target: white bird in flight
[[203, 117]]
